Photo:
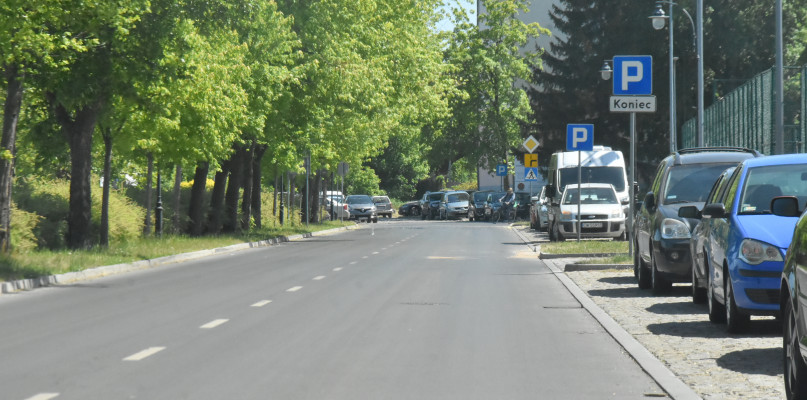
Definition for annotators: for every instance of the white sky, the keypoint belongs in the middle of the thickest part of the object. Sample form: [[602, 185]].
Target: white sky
[[468, 5]]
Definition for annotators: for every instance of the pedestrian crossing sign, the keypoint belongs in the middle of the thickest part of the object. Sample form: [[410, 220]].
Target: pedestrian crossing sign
[[531, 174]]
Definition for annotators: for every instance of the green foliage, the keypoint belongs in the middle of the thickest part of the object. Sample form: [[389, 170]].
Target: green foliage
[[362, 181], [23, 225]]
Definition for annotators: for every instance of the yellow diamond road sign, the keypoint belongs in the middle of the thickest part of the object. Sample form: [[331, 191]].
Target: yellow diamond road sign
[[530, 144]]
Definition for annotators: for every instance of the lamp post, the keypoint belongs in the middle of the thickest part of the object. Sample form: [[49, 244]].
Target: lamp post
[[659, 20]]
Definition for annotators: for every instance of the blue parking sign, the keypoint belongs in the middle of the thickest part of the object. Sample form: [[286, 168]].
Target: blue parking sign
[[579, 137], [633, 75], [501, 170]]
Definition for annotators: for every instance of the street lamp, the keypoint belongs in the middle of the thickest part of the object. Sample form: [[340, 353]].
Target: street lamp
[[659, 20], [606, 71]]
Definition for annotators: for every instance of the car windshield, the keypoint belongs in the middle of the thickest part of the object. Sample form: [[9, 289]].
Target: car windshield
[[523, 198], [596, 195], [435, 196], [611, 175], [765, 183], [455, 197], [481, 196], [359, 199], [495, 197], [692, 183]]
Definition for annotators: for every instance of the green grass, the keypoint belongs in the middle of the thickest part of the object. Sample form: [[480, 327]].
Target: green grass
[[38, 263], [585, 247], [620, 259]]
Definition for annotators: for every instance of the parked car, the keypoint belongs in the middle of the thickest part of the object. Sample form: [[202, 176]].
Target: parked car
[[696, 242], [338, 210], [793, 299], [601, 214], [745, 242], [453, 204], [539, 214], [409, 208], [476, 205], [662, 237], [383, 206], [431, 205], [361, 207], [522, 205]]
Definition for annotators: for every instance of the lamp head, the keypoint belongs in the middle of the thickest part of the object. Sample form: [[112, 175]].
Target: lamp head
[[658, 18], [606, 71]]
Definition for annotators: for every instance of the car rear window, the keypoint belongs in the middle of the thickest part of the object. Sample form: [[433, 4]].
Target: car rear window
[[455, 197]]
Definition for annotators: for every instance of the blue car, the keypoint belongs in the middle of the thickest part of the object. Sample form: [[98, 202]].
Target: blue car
[[744, 242]]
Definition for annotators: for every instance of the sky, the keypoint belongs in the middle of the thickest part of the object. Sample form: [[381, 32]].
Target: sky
[[468, 5]]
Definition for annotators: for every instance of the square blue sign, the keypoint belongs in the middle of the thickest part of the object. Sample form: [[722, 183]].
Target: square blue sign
[[633, 75], [579, 137]]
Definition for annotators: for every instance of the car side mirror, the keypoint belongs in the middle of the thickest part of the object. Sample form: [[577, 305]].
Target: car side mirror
[[650, 201], [714, 210], [785, 206], [689, 212]]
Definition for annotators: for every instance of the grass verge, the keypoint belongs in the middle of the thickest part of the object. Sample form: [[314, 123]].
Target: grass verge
[[585, 247], [51, 262]]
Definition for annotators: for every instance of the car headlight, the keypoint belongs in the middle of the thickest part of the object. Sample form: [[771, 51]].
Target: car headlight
[[755, 252], [616, 213], [566, 216], [674, 229]]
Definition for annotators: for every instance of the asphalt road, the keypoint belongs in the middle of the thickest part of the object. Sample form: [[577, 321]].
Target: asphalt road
[[395, 310]]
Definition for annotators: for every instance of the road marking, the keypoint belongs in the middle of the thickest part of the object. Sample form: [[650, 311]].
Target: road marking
[[337, 269], [375, 252], [261, 303], [44, 396], [145, 353], [294, 289], [214, 323], [319, 278], [444, 258], [353, 262]]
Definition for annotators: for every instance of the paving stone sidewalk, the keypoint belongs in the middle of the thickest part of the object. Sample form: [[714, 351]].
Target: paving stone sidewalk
[[715, 364]]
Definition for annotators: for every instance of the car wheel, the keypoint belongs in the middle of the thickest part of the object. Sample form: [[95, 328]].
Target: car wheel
[[795, 369], [660, 284], [716, 311], [698, 293], [415, 211], [736, 320], [642, 272], [375, 220], [553, 232]]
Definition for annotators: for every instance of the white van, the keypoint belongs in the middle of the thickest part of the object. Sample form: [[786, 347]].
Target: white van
[[602, 165]]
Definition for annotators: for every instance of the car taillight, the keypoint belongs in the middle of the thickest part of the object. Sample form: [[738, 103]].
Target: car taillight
[[345, 207]]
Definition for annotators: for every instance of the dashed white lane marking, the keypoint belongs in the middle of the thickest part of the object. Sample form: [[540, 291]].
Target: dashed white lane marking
[[353, 262], [337, 269], [261, 303], [44, 396], [365, 257], [294, 289], [375, 252], [319, 278], [214, 323], [145, 353]]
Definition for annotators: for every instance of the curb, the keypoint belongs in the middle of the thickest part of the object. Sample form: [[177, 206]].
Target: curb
[[595, 267], [547, 256], [99, 272]]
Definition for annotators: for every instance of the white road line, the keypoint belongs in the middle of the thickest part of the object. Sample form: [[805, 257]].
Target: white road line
[[319, 278], [261, 303], [375, 252], [214, 323], [44, 396], [294, 289], [145, 353], [352, 262], [365, 257], [337, 269]]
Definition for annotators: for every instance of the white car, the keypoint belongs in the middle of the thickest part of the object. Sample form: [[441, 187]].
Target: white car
[[600, 210]]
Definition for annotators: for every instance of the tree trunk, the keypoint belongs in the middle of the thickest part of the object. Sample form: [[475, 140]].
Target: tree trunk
[[107, 136], [177, 200], [11, 115], [147, 200], [246, 198], [79, 130], [292, 188], [233, 187], [275, 191], [196, 208], [260, 150], [215, 211]]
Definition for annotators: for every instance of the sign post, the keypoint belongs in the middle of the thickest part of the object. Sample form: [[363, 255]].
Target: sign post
[[580, 138], [633, 89]]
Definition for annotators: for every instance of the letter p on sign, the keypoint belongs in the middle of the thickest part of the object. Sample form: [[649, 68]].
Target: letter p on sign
[[579, 137], [633, 75]]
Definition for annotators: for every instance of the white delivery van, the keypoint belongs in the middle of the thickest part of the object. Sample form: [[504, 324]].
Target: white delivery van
[[602, 165]]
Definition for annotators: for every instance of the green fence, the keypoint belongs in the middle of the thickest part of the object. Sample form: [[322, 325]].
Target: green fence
[[745, 116]]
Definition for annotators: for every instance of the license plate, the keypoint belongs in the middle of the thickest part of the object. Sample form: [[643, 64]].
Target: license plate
[[592, 224]]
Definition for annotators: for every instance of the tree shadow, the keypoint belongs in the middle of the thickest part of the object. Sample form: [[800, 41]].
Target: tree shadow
[[679, 308], [618, 280], [626, 292], [705, 329]]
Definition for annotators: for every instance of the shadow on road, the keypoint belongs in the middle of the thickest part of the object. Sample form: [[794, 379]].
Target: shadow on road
[[706, 329], [753, 361]]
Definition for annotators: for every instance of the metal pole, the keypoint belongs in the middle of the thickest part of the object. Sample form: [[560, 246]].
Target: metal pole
[[779, 134], [699, 31], [158, 215], [672, 85], [579, 189], [631, 201]]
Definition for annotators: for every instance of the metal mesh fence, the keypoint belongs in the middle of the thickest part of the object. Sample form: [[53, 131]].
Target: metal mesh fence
[[745, 116]]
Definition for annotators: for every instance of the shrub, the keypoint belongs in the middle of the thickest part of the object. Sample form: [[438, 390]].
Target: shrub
[[23, 224]]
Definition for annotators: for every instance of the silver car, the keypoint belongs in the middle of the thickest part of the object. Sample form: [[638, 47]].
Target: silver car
[[454, 204], [601, 214], [361, 207]]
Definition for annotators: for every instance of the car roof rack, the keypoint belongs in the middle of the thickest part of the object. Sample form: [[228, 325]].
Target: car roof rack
[[691, 150]]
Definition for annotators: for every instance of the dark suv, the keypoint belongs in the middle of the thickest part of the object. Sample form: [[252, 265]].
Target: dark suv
[[684, 178]]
